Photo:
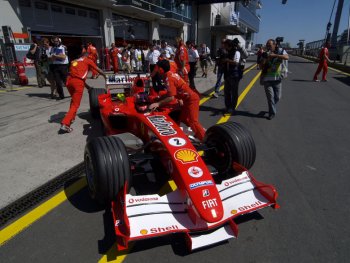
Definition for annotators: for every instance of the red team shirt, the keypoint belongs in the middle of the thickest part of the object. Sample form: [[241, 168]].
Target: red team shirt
[[80, 67], [180, 56], [178, 88]]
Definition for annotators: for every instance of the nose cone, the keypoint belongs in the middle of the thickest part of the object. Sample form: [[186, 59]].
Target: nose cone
[[211, 210]]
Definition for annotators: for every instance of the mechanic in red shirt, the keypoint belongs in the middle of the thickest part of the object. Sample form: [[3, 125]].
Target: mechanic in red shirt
[[182, 60], [75, 84], [92, 51], [114, 51], [323, 64], [179, 93]]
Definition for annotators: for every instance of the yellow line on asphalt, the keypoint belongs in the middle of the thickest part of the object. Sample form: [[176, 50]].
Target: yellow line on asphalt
[[15, 89], [115, 256], [206, 98], [240, 98], [25, 221]]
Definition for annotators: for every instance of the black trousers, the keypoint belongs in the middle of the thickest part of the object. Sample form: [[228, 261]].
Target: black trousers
[[156, 81], [60, 72], [191, 74], [231, 92]]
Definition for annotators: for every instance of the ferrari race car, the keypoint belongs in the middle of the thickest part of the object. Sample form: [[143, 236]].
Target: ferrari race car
[[213, 183]]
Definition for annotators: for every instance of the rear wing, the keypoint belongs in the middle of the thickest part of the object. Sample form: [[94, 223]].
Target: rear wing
[[124, 82]]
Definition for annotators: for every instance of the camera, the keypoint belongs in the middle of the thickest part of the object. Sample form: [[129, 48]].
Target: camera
[[279, 40], [265, 55]]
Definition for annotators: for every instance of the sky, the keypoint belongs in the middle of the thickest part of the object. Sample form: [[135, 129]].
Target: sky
[[298, 19]]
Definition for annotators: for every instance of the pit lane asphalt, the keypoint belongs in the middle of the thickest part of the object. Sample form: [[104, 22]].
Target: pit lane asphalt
[[303, 152]]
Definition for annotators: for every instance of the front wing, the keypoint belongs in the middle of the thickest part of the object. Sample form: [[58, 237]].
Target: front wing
[[140, 217]]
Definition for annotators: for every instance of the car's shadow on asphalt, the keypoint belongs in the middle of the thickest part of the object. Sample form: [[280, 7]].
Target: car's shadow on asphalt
[[345, 80], [93, 128]]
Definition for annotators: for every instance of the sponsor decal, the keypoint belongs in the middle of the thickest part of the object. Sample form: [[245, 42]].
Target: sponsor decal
[[236, 181], [75, 63], [195, 171], [163, 127], [142, 199], [201, 184], [117, 223], [116, 109], [213, 213], [121, 79], [248, 207], [186, 156], [205, 192], [143, 232], [177, 142], [155, 230], [234, 211], [210, 203]]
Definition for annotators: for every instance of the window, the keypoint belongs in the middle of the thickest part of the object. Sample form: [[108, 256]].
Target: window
[[70, 11], [56, 8], [82, 13], [25, 3], [41, 5], [93, 15]]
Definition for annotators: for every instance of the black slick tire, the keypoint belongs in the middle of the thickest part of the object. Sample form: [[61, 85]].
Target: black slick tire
[[232, 143], [107, 168]]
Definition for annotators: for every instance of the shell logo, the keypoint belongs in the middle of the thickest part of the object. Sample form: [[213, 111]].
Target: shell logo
[[186, 156], [143, 232], [75, 63], [233, 212]]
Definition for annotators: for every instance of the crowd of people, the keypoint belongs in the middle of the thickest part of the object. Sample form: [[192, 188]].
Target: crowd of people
[[172, 69]]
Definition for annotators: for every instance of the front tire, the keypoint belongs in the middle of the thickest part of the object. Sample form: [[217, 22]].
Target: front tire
[[231, 143], [107, 168]]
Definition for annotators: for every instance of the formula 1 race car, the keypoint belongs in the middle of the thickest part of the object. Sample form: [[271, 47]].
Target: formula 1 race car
[[213, 183]]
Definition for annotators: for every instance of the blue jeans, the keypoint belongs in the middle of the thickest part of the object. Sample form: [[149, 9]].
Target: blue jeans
[[219, 75], [273, 90]]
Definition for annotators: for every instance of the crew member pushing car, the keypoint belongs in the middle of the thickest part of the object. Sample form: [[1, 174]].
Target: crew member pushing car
[[178, 89], [75, 83]]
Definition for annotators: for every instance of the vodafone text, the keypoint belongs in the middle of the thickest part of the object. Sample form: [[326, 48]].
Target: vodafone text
[[142, 199], [163, 127], [236, 181]]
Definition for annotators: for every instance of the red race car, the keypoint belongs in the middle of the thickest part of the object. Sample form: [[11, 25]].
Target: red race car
[[213, 183]]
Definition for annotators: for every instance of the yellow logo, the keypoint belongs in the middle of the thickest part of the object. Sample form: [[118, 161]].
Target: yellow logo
[[75, 63], [233, 212], [143, 232], [186, 156]]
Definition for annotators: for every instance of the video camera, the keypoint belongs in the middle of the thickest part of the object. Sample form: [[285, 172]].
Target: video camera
[[279, 40]]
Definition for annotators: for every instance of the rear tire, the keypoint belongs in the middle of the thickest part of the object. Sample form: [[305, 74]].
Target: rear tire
[[232, 143], [93, 99], [107, 168]]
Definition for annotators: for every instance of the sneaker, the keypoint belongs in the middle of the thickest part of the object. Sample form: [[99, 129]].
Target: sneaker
[[216, 95], [316, 80], [271, 116], [65, 129]]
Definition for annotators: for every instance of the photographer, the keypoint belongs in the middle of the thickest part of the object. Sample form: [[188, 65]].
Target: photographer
[[35, 52], [272, 73], [232, 74]]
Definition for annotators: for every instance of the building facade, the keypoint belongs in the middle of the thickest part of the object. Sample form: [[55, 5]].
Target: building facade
[[99, 21], [228, 20]]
